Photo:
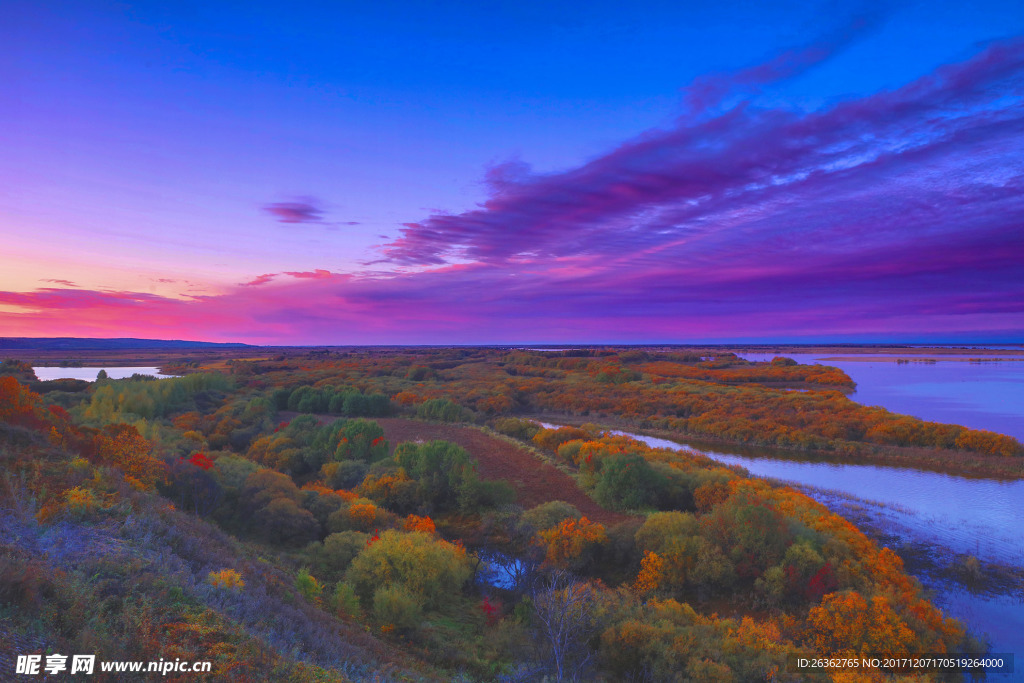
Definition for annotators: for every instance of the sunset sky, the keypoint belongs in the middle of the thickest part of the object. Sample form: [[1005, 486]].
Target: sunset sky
[[512, 172]]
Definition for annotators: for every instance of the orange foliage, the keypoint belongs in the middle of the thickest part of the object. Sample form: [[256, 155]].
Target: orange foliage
[[417, 523], [848, 623], [122, 446], [18, 405], [707, 496], [760, 372], [322, 490], [568, 541], [765, 636], [226, 578], [383, 488], [363, 515], [652, 573], [983, 441], [187, 421], [407, 398], [551, 439]]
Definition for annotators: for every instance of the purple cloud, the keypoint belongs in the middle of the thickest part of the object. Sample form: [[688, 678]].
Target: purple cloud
[[748, 173], [707, 93], [304, 211]]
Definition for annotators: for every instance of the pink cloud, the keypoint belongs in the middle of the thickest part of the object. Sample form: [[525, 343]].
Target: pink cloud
[[260, 280], [318, 274]]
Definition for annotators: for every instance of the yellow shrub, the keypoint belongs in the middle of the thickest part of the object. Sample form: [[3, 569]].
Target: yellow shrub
[[80, 501], [226, 578]]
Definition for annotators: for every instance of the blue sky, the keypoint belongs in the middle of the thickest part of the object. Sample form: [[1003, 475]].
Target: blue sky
[[153, 152]]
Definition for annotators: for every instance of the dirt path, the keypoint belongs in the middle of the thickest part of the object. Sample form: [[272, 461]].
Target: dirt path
[[535, 481]]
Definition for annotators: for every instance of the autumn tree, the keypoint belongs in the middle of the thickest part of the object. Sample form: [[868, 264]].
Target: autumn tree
[[573, 543], [428, 568], [122, 446], [848, 622], [18, 405], [440, 469], [361, 440]]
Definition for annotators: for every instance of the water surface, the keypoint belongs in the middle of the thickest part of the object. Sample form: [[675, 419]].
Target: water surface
[[954, 515], [986, 395], [89, 374], [981, 517]]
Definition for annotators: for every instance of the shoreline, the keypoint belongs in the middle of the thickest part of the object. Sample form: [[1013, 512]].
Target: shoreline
[[951, 463]]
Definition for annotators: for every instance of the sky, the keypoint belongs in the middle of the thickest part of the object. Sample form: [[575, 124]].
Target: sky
[[512, 172]]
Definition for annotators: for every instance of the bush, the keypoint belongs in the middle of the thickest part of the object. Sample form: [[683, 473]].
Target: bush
[[308, 587], [440, 468], [551, 439], [573, 544], [396, 606], [516, 428], [365, 405], [664, 530], [359, 514], [331, 558], [80, 502], [283, 521], [442, 410], [344, 474], [361, 440], [751, 532], [550, 514], [628, 482], [430, 569], [477, 495], [226, 578], [344, 600]]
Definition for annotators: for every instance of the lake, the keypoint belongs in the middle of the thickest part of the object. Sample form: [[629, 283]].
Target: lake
[[89, 374], [982, 395]]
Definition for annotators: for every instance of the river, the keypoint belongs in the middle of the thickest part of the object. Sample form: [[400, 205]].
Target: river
[[942, 515], [945, 514]]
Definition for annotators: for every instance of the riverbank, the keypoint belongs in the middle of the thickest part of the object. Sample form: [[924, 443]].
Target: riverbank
[[956, 463], [961, 538], [985, 594]]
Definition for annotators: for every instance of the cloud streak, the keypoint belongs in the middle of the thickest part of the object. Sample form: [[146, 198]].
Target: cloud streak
[[305, 211], [899, 213]]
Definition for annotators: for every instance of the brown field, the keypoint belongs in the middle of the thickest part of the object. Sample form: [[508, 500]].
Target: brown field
[[535, 481]]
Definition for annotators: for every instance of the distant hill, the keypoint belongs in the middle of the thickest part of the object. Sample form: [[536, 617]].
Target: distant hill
[[78, 344]]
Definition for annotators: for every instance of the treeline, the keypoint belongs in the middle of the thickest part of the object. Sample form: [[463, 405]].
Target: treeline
[[335, 400], [112, 399], [494, 384], [778, 371]]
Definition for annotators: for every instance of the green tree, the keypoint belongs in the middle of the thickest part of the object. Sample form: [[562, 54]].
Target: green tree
[[430, 569]]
